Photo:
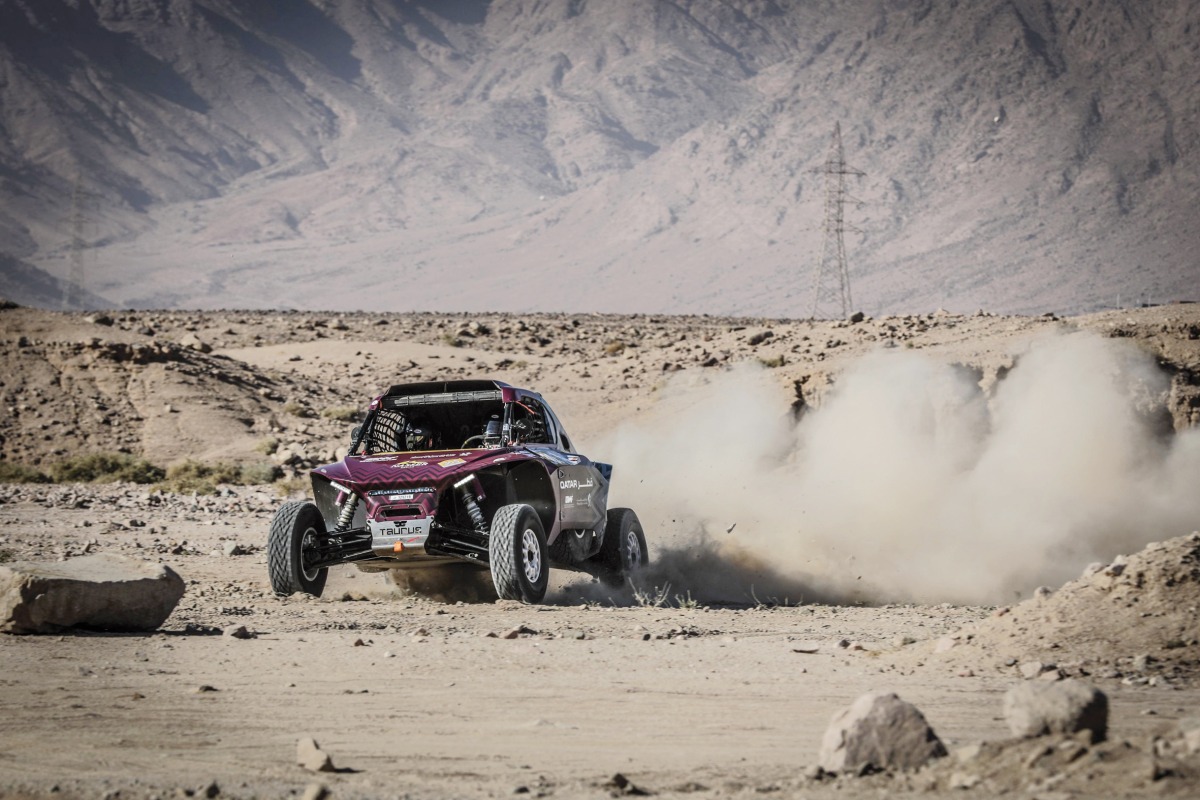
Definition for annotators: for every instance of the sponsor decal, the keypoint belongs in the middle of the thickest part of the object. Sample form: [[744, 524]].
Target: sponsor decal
[[452, 462], [373, 459], [569, 499], [573, 459], [417, 490], [408, 464], [574, 484], [414, 530]]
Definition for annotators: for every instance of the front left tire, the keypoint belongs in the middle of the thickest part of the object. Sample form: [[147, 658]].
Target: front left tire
[[296, 529]]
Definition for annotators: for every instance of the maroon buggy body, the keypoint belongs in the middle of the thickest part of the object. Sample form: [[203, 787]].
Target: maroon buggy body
[[458, 472]]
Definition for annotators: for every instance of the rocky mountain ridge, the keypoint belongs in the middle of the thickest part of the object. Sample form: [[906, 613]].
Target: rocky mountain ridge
[[642, 157]]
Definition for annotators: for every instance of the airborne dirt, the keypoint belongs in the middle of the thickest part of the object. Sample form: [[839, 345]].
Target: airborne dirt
[[723, 691]]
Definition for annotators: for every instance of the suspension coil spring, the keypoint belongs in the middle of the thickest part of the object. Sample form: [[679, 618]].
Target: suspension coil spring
[[473, 510], [346, 515]]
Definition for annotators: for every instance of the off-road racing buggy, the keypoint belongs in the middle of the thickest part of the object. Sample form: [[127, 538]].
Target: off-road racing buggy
[[458, 472]]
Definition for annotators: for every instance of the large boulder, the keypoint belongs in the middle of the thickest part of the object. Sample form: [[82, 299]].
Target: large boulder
[[102, 592], [879, 731], [1037, 709]]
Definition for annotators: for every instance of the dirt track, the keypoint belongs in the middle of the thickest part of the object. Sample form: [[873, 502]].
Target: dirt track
[[431, 705], [698, 702]]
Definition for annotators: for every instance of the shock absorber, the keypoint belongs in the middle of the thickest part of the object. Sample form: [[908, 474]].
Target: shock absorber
[[346, 515], [468, 497]]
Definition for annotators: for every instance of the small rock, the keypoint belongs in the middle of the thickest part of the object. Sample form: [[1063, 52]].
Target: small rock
[[234, 549], [240, 632], [1142, 663], [205, 688], [315, 791], [968, 753], [620, 785], [1093, 569], [310, 756], [881, 731], [903, 641], [196, 343], [211, 790], [1042, 593], [945, 644], [1031, 669], [1035, 709], [520, 630], [963, 780], [1190, 728]]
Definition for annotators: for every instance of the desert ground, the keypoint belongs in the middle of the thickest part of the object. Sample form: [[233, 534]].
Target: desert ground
[[688, 692]]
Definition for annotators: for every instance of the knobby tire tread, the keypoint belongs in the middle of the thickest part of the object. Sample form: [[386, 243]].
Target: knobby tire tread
[[503, 549], [502, 554], [283, 567]]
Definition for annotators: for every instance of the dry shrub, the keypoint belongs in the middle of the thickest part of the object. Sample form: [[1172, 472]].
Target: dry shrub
[[204, 478], [342, 413], [19, 473], [105, 468], [298, 409]]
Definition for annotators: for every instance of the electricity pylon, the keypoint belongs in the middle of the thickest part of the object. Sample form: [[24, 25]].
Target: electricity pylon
[[831, 280], [73, 289]]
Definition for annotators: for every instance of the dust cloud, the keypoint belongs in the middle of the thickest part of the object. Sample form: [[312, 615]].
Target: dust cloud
[[911, 482]]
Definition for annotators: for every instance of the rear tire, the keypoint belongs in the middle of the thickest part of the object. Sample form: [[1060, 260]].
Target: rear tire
[[623, 550], [517, 554], [295, 529]]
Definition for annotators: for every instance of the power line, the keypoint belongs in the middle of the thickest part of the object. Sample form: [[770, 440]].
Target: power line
[[831, 279]]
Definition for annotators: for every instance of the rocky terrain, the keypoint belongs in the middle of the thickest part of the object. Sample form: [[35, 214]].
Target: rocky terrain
[[566, 155], [717, 674], [163, 384]]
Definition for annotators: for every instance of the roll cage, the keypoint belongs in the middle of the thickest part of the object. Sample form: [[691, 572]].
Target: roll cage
[[456, 415]]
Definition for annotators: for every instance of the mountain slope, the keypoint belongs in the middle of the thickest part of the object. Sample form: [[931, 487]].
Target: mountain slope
[[645, 156]]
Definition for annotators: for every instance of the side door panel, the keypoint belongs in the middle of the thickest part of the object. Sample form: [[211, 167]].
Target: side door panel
[[580, 489]]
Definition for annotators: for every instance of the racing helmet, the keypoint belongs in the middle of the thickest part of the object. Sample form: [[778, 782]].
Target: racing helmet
[[492, 433], [418, 436]]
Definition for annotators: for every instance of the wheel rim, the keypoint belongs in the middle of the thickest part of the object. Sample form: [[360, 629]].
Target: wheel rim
[[531, 555], [633, 549], [308, 543]]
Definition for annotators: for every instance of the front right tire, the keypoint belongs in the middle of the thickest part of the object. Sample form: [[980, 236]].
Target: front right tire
[[295, 530], [517, 554]]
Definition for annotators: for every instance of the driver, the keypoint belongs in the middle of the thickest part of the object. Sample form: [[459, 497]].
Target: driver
[[418, 436]]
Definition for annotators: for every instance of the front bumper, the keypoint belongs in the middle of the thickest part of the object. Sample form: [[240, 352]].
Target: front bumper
[[400, 538]]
